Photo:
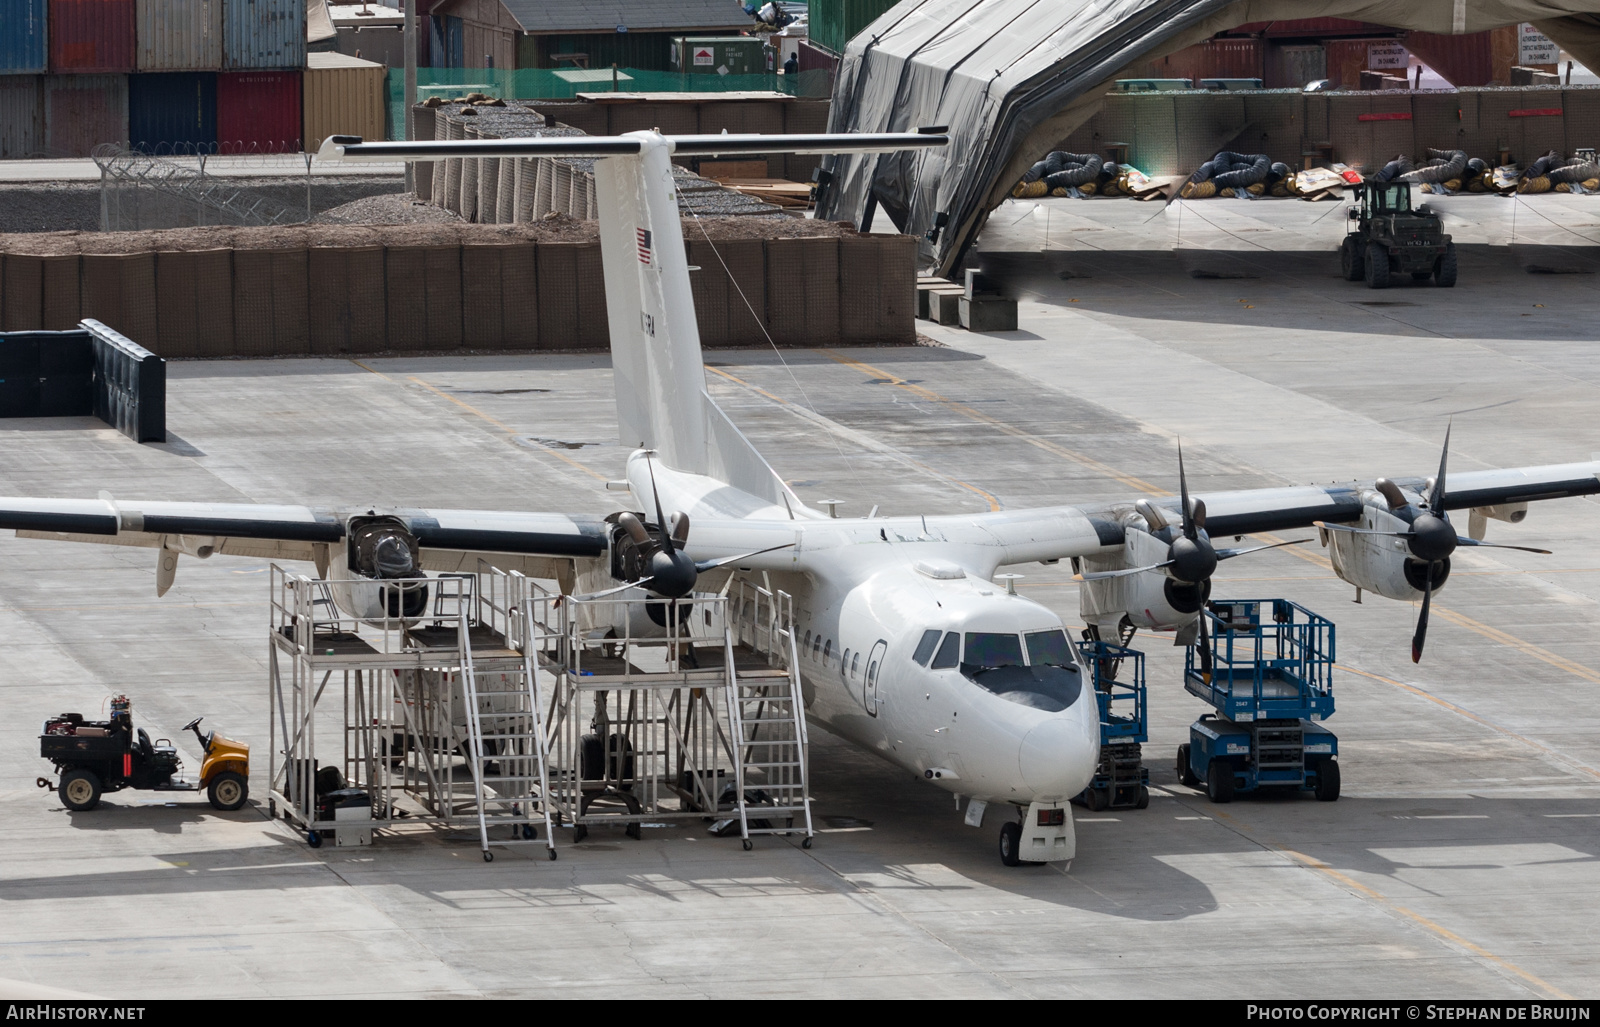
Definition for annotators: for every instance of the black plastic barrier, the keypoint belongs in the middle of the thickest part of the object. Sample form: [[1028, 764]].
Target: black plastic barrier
[[91, 370]]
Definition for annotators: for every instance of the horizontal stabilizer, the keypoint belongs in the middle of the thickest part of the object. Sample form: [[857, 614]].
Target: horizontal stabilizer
[[354, 148]]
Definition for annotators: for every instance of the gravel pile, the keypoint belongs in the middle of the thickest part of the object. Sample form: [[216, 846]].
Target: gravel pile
[[387, 209]]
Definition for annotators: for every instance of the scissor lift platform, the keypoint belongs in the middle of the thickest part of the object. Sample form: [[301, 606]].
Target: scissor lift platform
[[1121, 780], [1268, 674]]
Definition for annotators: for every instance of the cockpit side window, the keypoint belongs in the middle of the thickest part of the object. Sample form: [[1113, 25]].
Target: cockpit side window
[[949, 653], [1049, 647], [930, 638]]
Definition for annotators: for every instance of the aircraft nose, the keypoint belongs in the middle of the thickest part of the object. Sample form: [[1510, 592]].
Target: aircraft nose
[[1056, 759]]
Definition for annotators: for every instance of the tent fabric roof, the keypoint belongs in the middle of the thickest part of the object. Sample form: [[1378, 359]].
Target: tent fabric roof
[[1010, 78], [636, 15]]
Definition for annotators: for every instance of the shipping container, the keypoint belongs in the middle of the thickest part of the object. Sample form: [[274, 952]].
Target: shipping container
[[179, 35], [833, 23], [173, 112], [342, 96], [92, 35], [84, 111], [263, 34], [719, 55], [258, 112], [1465, 60], [21, 115], [22, 37]]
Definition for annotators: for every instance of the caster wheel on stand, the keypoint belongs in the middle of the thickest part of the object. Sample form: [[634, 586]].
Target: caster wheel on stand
[[805, 843], [748, 845], [488, 857], [552, 855]]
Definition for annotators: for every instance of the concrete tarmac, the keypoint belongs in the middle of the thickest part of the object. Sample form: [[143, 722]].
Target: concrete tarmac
[[1462, 860]]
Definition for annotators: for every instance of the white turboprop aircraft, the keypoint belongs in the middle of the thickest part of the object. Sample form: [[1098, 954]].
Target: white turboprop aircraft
[[890, 608]]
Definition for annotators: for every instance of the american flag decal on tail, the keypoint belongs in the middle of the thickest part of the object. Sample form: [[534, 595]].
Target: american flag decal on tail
[[644, 246]]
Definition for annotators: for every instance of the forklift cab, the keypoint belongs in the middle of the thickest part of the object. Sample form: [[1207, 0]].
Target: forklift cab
[[1380, 198]]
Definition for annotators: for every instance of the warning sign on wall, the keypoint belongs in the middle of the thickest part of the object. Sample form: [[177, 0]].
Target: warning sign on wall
[[1535, 47], [1387, 57], [702, 55]]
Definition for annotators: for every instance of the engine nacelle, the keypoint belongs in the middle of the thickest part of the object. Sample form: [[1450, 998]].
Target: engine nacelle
[[1381, 563], [376, 582], [1150, 600]]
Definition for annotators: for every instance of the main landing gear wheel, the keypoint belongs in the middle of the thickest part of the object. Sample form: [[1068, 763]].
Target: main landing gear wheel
[[228, 791], [1219, 782], [1327, 789], [80, 790], [1011, 844]]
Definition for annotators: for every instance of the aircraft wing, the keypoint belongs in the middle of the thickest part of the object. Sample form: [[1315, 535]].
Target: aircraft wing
[[449, 539], [1051, 534]]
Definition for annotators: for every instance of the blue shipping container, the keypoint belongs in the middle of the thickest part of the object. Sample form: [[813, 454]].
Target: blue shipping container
[[173, 112], [22, 37], [263, 34]]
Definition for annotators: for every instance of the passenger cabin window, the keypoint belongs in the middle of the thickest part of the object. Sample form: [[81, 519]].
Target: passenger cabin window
[[816, 647], [807, 643], [855, 663], [930, 638], [827, 650], [949, 653]]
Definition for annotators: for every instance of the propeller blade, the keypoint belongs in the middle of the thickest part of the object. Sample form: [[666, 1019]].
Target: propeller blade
[[1422, 620], [1357, 531], [1500, 545], [613, 591], [666, 536], [1102, 575], [1228, 554], [706, 565], [1183, 496], [1436, 497]]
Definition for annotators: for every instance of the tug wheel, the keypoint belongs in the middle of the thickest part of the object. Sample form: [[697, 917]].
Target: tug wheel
[[80, 790]]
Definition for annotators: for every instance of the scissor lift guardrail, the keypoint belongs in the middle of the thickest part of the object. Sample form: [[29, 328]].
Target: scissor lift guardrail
[[1117, 674]]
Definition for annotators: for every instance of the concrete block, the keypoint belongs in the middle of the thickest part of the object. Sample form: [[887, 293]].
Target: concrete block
[[979, 284], [944, 306], [991, 314]]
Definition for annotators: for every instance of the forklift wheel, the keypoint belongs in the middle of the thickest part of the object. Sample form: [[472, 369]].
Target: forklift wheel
[[1219, 781], [1010, 844], [1144, 798], [228, 790], [314, 839], [80, 790], [1095, 799], [1327, 789]]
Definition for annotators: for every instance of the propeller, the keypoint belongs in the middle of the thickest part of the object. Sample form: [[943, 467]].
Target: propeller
[[1431, 537], [1191, 558], [669, 572]]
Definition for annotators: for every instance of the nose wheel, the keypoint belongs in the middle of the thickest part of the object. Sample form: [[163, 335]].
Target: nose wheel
[[1011, 844]]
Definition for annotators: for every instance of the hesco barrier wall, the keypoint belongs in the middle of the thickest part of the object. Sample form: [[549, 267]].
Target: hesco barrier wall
[[1173, 133], [271, 292]]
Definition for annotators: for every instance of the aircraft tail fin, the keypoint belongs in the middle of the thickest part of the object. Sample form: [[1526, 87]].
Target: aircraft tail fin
[[662, 403]]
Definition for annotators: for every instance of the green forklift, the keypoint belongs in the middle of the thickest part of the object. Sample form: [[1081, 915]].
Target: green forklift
[[1388, 238]]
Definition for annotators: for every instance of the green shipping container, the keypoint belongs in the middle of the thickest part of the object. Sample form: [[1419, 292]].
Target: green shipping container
[[835, 22], [719, 55]]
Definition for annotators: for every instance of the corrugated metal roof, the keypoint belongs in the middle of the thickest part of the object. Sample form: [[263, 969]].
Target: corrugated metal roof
[[323, 61], [636, 15]]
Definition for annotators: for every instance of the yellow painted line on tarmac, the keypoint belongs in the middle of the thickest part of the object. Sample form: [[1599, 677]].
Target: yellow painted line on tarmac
[[1462, 711], [1448, 935], [469, 408], [989, 497]]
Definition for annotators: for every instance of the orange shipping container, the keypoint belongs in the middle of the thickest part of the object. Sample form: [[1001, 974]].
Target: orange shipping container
[[343, 96]]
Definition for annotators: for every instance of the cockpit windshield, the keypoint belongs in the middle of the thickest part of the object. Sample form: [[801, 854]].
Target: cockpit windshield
[[1048, 681]]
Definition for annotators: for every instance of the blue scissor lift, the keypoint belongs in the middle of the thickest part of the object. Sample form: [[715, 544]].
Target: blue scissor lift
[[1120, 780], [1270, 682]]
